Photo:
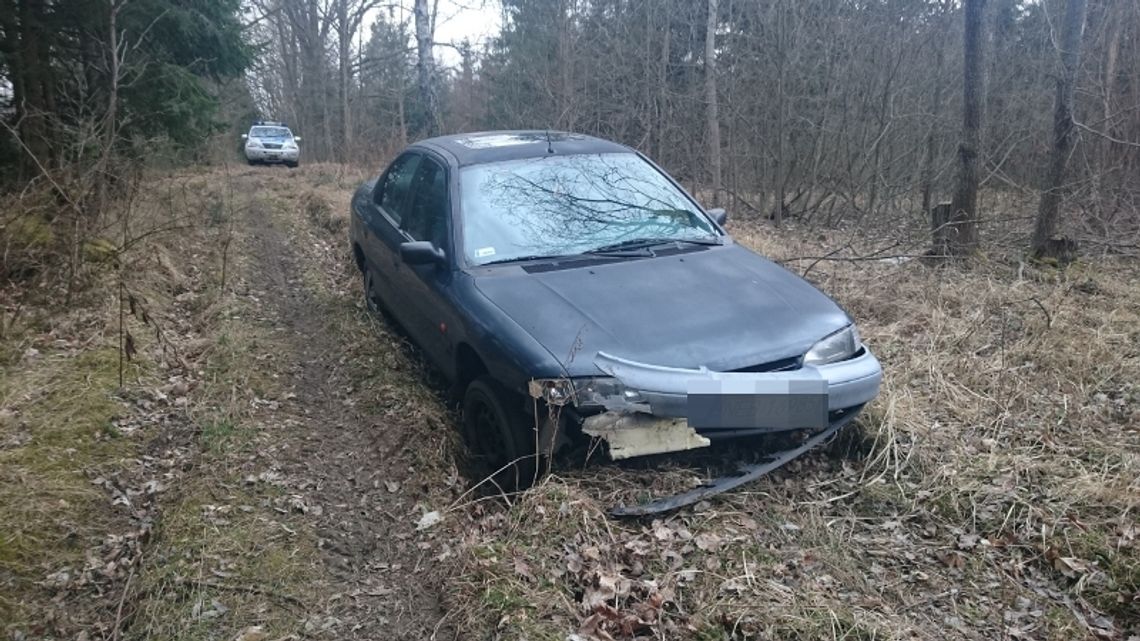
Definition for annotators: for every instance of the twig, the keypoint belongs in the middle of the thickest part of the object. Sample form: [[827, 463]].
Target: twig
[[118, 627], [250, 589]]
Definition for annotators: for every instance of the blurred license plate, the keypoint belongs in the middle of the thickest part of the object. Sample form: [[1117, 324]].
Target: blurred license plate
[[773, 404]]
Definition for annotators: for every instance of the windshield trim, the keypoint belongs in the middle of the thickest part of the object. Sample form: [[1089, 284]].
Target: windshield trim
[[459, 226]]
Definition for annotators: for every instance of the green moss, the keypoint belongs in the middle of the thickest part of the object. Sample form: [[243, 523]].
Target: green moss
[[1121, 567], [210, 549], [216, 431], [48, 505], [30, 232], [99, 250]]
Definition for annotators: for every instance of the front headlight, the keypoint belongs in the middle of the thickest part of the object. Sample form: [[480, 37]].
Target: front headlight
[[839, 346], [253, 144], [599, 391]]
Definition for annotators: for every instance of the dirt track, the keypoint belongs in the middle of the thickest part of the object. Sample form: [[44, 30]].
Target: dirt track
[[343, 457]]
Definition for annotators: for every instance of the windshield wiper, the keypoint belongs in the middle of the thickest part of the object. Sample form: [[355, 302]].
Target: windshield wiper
[[522, 259], [646, 243]]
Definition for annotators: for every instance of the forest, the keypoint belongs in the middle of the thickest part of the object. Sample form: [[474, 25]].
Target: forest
[[826, 112], [205, 435]]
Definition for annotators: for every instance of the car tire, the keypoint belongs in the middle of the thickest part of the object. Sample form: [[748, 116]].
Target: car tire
[[498, 441], [251, 161], [371, 299], [292, 165]]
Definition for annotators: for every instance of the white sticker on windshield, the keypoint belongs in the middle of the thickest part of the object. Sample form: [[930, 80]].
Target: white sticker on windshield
[[484, 252]]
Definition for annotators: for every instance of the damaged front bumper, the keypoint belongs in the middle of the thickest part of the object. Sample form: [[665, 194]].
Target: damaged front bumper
[[666, 409], [641, 409], [746, 473], [664, 391]]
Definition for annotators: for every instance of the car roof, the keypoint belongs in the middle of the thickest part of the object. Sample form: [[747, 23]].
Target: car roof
[[494, 146]]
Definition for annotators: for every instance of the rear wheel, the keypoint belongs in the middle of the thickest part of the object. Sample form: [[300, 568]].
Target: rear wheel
[[292, 165], [499, 443]]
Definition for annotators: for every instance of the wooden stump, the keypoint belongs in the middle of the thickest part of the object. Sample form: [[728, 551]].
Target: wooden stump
[[1057, 250], [941, 229]]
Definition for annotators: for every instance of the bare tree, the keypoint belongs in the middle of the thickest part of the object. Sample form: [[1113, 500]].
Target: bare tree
[[425, 63], [963, 220], [712, 117], [1044, 241]]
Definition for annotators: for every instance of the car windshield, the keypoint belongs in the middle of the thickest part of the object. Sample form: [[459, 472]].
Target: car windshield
[[564, 205], [269, 132]]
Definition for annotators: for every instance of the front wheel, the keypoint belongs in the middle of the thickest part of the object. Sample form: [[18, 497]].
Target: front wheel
[[500, 445], [371, 298]]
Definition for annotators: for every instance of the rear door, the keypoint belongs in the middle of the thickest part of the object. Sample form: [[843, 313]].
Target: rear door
[[391, 200]]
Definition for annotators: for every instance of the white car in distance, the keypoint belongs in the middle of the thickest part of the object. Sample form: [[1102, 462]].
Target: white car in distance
[[271, 142]]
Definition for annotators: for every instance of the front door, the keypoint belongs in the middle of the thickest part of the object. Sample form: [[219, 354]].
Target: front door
[[391, 200], [425, 286]]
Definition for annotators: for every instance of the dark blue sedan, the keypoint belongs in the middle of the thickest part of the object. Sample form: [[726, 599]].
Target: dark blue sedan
[[552, 270]]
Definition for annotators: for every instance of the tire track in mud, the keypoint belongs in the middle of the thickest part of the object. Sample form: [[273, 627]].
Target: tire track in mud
[[359, 476]]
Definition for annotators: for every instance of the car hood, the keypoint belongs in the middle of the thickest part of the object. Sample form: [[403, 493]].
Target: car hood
[[724, 308]]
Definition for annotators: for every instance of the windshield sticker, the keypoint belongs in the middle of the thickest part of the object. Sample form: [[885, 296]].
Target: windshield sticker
[[484, 252]]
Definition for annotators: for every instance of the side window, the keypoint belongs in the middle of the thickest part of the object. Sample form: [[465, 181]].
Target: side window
[[391, 194], [427, 217]]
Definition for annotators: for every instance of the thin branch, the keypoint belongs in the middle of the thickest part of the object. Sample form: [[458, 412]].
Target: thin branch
[[1105, 135]]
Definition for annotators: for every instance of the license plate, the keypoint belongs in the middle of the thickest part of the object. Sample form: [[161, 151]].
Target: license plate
[[772, 404]]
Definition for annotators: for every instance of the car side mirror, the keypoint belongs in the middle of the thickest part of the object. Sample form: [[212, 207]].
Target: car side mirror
[[296, 139], [719, 215], [421, 252], [244, 136]]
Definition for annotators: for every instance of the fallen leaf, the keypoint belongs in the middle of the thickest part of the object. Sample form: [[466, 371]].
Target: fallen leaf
[[574, 563], [252, 633], [523, 569], [953, 559], [707, 541], [1071, 567], [429, 519]]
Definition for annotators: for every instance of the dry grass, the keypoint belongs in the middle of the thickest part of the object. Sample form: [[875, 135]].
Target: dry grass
[[84, 465], [56, 434], [997, 497], [990, 491]]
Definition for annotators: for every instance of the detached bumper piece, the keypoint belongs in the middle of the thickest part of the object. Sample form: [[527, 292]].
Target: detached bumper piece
[[747, 474], [632, 434]]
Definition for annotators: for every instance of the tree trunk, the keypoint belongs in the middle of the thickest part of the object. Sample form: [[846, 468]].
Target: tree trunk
[[780, 185], [710, 98], [663, 83], [344, 51], [31, 87], [936, 100], [1070, 57], [963, 236], [425, 65]]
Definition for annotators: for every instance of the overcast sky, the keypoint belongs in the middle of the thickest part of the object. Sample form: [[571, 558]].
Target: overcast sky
[[476, 20]]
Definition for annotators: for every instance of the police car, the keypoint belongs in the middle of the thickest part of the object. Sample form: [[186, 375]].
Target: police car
[[269, 141]]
